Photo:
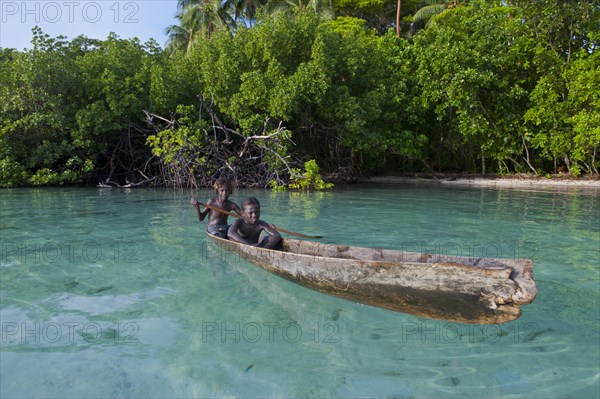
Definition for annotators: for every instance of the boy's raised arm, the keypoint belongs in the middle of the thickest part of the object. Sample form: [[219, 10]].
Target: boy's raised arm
[[201, 214]]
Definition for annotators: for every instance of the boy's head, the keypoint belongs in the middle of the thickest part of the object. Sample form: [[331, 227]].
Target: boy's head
[[224, 183], [250, 201], [251, 209]]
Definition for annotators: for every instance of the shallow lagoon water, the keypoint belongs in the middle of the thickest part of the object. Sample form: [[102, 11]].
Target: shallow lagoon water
[[116, 293]]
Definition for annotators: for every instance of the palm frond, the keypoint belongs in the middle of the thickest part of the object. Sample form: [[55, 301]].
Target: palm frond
[[425, 13]]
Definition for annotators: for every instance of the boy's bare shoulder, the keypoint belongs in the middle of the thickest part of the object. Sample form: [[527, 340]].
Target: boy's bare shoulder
[[237, 222]]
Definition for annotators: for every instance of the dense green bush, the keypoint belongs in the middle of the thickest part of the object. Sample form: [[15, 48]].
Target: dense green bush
[[485, 86]]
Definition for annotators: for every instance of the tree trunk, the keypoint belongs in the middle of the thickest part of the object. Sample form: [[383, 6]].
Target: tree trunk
[[567, 162], [482, 161], [398, 18]]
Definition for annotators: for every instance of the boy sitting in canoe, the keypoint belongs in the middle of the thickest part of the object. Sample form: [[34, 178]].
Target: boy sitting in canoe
[[217, 221], [248, 229]]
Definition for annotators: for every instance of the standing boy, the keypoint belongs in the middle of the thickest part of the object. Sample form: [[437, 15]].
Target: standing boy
[[217, 221]]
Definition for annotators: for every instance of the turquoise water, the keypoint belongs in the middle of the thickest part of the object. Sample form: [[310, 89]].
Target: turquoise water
[[115, 293]]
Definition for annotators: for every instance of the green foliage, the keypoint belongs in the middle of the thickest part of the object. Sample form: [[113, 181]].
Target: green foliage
[[174, 145], [173, 82], [12, 173], [497, 77], [476, 80], [262, 72], [564, 116], [583, 80], [485, 86], [66, 104], [276, 186], [310, 179], [312, 74], [45, 176], [368, 6], [117, 74]]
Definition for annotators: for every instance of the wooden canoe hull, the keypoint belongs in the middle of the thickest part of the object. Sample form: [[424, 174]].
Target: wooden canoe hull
[[453, 288]]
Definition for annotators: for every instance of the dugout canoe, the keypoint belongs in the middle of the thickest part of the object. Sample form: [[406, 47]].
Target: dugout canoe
[[453, 288]]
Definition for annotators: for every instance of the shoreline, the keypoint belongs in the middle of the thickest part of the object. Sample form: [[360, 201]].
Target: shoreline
[[519, 181], [523, 181]]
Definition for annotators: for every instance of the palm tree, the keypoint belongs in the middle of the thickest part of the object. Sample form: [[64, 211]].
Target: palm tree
[[429, 9], [422, 11], [197, 18], [321, 7], [181, 37], [398, 14], [244, 10]]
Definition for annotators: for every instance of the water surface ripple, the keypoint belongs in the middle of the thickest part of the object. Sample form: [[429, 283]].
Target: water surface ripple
[[116, 293]]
